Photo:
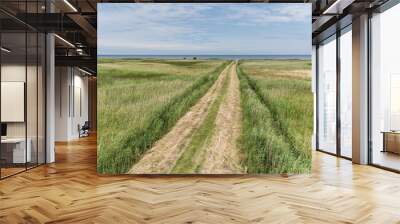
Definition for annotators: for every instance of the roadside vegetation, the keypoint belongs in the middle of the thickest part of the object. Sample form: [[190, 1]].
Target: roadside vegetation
[[141, 100], [277, 111]]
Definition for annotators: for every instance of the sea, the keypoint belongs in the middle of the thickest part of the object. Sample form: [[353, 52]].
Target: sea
[[229, 57]]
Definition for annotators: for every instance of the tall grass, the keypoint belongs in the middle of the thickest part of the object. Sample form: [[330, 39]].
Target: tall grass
[[139, 101], [265, 143], [285, 87]]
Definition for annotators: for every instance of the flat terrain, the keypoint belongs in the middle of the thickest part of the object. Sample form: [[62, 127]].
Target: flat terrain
[[286, 85], [209, 117], [204, 140], [140, 100], [71, 191], [278, 115], [223, 154]]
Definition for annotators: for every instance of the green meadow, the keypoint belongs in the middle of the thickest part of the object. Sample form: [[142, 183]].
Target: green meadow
[[278, 115], [140, 100]]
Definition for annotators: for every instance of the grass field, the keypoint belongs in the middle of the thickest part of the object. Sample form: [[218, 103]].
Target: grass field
[[270, 107], [140, 100], [278, 112]]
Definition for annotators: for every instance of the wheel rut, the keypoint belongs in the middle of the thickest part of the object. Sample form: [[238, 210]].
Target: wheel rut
[[222, 155], [161, 158]]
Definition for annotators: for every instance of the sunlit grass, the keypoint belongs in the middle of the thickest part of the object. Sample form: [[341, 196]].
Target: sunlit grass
[[140, 100], [278, 110]]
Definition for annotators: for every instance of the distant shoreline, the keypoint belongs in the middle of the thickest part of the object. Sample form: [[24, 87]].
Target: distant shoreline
[[232, 57]]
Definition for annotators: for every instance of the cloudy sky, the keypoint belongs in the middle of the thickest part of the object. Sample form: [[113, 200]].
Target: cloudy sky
[[165, 29]]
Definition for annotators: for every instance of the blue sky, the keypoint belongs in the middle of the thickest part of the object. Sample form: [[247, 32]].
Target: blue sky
[[164, 29]]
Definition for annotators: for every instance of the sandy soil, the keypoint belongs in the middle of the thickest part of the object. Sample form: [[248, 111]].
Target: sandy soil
[[162, 157], [222, 155]]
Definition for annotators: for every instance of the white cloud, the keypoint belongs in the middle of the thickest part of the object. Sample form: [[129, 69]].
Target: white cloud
[[168, 27], [277, 13]]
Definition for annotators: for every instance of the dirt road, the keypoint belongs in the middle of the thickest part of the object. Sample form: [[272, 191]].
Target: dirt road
[[221, 154]]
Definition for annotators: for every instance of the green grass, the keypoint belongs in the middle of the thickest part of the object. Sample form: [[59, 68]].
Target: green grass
[[192, 158], [140, 100], [277, 105]]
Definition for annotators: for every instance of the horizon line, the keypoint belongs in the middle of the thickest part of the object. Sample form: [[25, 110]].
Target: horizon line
[[204, 54]]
